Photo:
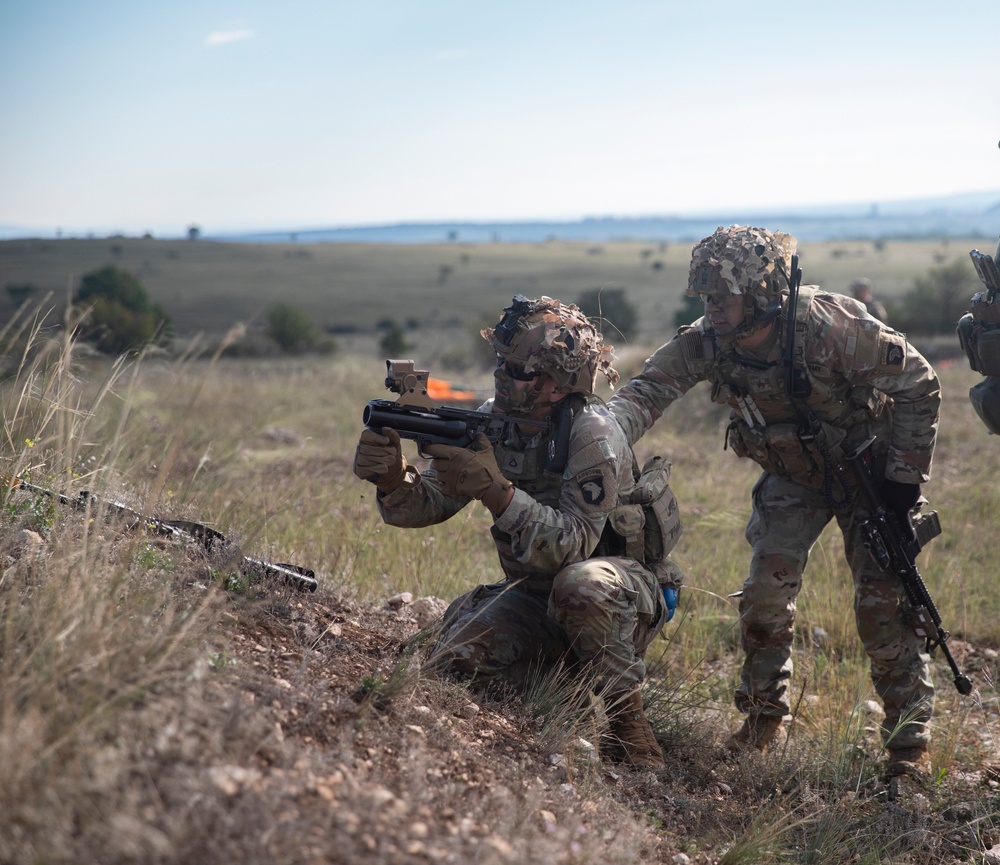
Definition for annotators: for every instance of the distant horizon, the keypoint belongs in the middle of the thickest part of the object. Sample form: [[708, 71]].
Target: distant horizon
[[983, 202], [149, 118]]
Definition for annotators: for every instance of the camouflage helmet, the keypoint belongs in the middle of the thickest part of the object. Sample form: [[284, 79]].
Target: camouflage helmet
[[556, 339], [743, 260]]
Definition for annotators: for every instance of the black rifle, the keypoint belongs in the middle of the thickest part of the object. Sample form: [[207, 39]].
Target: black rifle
[[894, 547], [211, 540], [414, 416]]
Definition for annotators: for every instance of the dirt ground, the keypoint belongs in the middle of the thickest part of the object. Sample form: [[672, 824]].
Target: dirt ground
[[306, 732], [340, 750]]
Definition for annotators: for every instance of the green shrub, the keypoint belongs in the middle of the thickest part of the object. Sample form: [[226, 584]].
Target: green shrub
[[292, 329], [121, 317], [937, 300]]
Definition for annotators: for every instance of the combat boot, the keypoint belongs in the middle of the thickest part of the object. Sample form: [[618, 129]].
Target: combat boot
[[906, 771], [765, 733], [633, 738], [915, 762]]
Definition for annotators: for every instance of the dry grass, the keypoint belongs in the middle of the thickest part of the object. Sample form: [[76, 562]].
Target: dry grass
[[147, 715]]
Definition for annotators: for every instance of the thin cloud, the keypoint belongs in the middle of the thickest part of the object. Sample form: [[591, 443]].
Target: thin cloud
[[225, 37]]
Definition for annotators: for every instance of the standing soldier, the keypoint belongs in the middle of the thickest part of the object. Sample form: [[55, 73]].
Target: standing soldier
[[861, 289], [586, 583], [979, 334], [858, 379]]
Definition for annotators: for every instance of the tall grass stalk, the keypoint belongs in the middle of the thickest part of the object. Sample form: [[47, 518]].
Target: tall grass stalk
[[92, 625]]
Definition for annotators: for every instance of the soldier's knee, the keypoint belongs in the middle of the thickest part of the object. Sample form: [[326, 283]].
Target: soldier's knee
[[579, 588], [464, 647], [777, 570]]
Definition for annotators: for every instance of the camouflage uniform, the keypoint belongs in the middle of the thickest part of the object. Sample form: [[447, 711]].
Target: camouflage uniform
[[558, 601], [865, 380]]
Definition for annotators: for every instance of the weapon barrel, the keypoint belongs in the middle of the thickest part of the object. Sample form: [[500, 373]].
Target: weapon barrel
[[414, 422]]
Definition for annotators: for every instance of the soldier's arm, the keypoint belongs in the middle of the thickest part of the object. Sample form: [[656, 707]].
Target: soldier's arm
[[666, 376], [881, 357], [419, 504], [549, 538]]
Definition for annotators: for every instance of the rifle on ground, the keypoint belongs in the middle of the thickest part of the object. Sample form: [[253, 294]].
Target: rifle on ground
[[415, 417], [894, 547], [211, 540]]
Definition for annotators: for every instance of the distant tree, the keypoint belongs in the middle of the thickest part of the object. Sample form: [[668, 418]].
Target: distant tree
[[121, 317], [291, 328], [937, 300], [393, 342], [193, 232], [616, 315]]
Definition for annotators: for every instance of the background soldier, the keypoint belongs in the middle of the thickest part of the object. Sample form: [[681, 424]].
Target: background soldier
[[979, 334], [576, 588], [861, 290], [863, 379]]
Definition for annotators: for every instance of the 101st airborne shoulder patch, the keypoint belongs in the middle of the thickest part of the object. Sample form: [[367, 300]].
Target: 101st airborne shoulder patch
[[592, 488], [893, 350]]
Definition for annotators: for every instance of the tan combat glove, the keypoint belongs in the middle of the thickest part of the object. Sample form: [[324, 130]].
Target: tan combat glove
[[472, 472], [379, 459]]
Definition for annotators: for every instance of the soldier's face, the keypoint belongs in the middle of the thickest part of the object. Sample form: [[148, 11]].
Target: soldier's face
[[523, 396], [724, 312]]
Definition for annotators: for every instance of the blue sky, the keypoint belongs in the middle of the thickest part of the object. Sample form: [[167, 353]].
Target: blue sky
[[153, 116]]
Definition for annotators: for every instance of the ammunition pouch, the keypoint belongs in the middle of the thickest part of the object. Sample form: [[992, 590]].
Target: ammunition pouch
[[647, 526], [985, 399], [987, 347], [965, 330], [780, 449], [979, 335]]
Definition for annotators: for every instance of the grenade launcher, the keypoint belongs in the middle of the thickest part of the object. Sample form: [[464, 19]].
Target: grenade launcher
[[415, 417]]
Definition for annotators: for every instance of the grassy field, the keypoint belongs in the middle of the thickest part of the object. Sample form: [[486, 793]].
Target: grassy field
[[131, 705], [207, 287]]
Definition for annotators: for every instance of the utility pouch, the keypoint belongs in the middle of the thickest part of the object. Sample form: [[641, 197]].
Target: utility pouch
[[797, 460], [628, 521], [779, 449], [662, 516], [966, 339], [985, 398], [988, 351]]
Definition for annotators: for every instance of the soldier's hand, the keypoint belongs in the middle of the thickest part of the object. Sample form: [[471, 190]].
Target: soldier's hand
[[379, 459], [471, 472], [900, 498]]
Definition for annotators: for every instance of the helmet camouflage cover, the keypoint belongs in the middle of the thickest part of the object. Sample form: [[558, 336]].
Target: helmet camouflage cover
[[555, 339], [743, 260]]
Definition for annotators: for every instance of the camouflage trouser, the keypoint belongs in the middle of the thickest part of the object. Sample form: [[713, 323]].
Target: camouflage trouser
[[600, 615], [787, 519]]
